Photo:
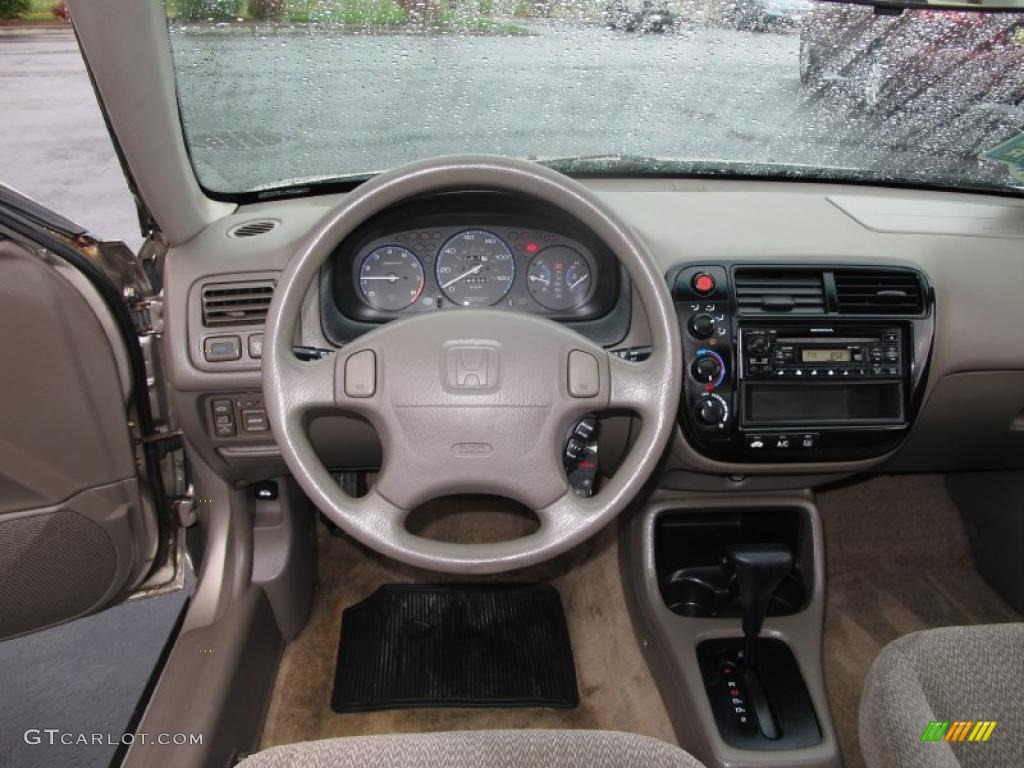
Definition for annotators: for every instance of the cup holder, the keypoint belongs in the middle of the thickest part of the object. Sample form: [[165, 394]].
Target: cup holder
[[704, 592], [699, 592]]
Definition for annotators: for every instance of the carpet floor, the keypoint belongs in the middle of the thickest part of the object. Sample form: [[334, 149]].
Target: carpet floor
[[897, 561]]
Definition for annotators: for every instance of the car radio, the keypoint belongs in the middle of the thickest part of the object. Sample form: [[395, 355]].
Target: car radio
[[794, 353], [796, 364]]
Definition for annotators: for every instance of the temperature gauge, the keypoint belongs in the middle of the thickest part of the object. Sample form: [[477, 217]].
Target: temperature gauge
[[559, 278]]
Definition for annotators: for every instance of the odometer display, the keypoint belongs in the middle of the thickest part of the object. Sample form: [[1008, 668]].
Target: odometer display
[[390, 278], [475, 268]]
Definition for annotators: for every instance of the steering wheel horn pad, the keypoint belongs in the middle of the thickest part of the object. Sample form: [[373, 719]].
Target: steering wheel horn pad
[[470, 400]]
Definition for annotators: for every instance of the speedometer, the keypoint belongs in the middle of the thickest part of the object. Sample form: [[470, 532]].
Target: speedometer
[[475, 268], [390, 278]]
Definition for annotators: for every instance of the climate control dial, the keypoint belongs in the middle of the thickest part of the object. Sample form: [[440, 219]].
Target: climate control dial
[[708, 368], [711, 411], [701, 326]]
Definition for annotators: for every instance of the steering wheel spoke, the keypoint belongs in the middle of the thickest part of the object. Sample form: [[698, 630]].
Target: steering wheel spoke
[[632, 385], [306, 386]]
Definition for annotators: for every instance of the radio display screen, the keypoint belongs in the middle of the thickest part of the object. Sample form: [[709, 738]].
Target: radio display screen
[[825, 355]]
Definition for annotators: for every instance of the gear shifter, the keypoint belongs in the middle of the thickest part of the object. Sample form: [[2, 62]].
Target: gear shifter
[[760, 569]]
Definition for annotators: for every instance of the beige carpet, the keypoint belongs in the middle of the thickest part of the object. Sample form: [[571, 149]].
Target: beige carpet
[[616, 688], [897, 561]]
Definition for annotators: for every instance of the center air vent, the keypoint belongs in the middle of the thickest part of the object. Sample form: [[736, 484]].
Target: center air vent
[[869, 292], [253, 228], [785, 291], [236, 303]]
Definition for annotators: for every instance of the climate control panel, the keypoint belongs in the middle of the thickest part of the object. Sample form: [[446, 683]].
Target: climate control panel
[[702, 304]]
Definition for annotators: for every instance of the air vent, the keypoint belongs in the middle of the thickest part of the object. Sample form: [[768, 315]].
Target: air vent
[[867, 292], [253, 228], [236, 303], [780, 291]]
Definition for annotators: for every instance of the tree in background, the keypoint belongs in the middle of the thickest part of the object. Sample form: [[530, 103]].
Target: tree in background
[[10, 9], [207, 10], [266, 10]]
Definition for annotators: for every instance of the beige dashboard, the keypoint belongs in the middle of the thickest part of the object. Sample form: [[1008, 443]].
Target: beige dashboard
[[971, 247]]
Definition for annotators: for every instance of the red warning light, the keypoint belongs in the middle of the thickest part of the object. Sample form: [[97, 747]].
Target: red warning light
[[532, 247]]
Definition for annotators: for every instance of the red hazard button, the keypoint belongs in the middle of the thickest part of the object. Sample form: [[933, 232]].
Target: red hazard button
[[703, 283]]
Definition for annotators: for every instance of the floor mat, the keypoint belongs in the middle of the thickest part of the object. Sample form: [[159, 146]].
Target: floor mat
[[616, 689], [419, 645], [898, 561]]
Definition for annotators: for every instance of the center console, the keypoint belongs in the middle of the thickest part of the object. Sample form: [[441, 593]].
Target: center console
[[727, 597], [801, 363]]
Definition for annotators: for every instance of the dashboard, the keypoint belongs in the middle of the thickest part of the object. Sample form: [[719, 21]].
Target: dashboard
[[955, 402], [473, 250]]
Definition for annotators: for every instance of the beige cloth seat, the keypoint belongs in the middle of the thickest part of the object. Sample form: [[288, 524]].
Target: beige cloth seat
[[945, 675], [479, 749]]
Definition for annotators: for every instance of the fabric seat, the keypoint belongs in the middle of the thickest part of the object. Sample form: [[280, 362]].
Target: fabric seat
[[946, 675], [479, 749]]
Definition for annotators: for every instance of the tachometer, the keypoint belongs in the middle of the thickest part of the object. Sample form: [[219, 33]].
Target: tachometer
[[390, 278], [475, 268], [559, 278]]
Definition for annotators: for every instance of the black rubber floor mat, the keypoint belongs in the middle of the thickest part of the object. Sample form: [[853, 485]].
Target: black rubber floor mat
[[455, 646]]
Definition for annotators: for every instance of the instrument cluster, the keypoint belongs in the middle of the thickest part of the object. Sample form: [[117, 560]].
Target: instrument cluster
[[477, 266], [474, 250]]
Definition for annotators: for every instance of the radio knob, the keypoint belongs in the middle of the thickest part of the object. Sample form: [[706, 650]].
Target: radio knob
[[706, 369], [709, 412], [757, 345], [702, 326]]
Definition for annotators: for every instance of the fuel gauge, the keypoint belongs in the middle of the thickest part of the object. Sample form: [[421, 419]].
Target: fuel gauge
[[559, 278]]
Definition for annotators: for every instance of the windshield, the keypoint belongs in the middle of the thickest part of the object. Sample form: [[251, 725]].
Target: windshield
[[286, 93]]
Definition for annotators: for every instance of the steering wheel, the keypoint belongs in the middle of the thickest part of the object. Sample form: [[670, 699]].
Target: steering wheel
[[471, 400]]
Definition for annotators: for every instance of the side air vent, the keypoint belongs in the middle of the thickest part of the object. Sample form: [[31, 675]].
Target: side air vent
[[869, 292], [253, 228], [785, 291], [236, 303]]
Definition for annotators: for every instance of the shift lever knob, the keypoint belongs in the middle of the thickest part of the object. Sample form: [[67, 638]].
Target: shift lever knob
[[760, 569]]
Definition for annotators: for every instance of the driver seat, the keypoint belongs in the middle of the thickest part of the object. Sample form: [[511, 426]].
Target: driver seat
[[479, 749]]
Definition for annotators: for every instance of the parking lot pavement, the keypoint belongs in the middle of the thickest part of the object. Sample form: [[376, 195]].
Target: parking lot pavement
[[55, 146]]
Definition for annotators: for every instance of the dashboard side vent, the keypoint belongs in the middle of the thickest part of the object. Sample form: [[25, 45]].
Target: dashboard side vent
[[243, 303], [253, 228], [780, 291], [870, 292]]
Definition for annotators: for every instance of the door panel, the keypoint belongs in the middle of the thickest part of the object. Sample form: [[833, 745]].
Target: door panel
[[76, 533]]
